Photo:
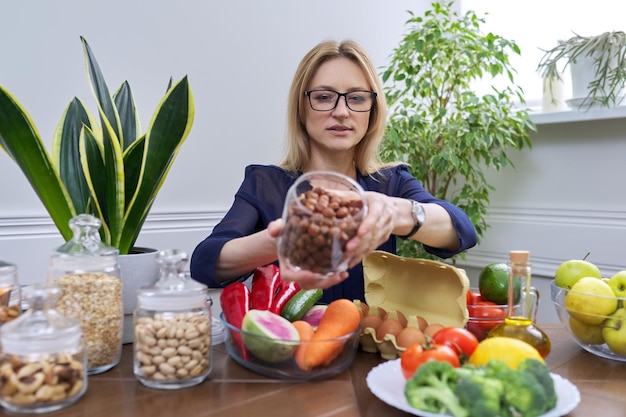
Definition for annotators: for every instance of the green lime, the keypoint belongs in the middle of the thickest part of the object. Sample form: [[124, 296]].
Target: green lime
[[493, 283]]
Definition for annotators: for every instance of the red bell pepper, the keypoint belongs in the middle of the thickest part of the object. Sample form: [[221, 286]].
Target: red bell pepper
[[265, 285], [235, 303], [287, 290]]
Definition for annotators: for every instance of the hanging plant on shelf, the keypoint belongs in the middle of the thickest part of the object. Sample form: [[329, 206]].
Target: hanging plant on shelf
[[597, 65]]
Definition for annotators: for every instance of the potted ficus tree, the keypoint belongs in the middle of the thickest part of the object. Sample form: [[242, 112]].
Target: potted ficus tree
[[597, 67], [446, 132], [102, 166]]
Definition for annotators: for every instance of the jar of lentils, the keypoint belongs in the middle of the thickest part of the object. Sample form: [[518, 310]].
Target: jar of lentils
[[172, 323], [43, 361], [88, 274], [322, 212]]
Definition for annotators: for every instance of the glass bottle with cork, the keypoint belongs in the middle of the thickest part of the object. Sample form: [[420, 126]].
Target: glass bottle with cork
[[523, 303]]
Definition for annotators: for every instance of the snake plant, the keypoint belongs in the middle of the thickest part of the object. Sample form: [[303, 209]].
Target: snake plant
[[104, 167]]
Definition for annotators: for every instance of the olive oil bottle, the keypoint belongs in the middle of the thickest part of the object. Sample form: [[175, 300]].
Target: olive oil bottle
[[522, 307]]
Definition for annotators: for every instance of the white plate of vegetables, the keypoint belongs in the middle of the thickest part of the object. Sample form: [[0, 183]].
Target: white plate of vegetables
[[387, 383]]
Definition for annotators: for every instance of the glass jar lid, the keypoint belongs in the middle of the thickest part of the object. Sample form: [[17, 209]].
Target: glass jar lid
[[85, 251], [173, 290], [41, 329]]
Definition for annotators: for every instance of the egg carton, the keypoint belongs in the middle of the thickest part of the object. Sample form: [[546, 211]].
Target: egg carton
[[431, 289]]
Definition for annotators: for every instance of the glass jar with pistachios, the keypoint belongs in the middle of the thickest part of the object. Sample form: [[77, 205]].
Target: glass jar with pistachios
[[172, 323], [88, 274], [43, 361], [9, 293]]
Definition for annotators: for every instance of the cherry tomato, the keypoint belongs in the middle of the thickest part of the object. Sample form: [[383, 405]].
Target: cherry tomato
[[416, 355], [473, 297], [461, 340], [483, 317]]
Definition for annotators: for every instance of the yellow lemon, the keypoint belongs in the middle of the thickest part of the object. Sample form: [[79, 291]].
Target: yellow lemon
[[507, 349]]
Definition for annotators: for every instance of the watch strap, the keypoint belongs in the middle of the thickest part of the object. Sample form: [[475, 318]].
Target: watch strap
[[417, 221]]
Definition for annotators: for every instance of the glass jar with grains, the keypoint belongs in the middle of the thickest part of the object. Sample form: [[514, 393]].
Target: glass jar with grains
[[172, 324], [42, 363], [87, 272]]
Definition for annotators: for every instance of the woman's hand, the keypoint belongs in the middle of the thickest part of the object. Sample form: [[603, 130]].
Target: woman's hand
[[375, 228]]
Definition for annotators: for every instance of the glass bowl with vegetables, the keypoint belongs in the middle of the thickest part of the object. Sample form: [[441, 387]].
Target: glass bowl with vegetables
[[300, 341]]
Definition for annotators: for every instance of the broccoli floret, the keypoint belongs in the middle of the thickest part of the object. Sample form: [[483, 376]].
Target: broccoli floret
[[480, 395], [541, 372], [432, 389]]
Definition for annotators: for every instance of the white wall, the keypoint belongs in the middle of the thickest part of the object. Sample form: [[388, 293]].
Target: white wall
[[565, 198], [240, 57]]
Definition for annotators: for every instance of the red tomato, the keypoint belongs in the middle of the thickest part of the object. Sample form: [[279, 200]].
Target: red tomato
[[415, 355], [473, 297], [461, 340], [483, 317]]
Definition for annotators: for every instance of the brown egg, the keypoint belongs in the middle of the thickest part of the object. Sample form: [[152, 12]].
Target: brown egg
[[371, 321], [409, 336], [389, 326], [431, 329]]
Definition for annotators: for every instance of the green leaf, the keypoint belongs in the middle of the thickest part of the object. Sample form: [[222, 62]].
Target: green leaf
[[21, 141], [129, 119], [66, 152], [101, 91], [168, 129]]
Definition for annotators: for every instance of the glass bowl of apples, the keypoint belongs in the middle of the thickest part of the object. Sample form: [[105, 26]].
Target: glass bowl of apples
[[594, 315]]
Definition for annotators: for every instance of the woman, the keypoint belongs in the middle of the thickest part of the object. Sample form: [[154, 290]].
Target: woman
[[336, 121]]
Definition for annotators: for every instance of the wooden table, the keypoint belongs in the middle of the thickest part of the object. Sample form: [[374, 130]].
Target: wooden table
[[232, 390]]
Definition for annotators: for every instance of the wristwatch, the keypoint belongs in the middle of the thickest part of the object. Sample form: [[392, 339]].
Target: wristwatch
[[419, 217]]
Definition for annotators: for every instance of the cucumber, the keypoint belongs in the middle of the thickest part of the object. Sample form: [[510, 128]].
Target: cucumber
[[300, 303]]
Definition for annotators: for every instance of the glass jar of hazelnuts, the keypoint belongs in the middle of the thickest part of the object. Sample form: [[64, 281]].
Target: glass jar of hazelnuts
[[43, 364], [172, 323], [322, 212]]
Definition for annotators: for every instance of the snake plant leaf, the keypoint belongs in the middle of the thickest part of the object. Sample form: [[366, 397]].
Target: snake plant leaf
[[167, 131], [101, 91], [66, 152], [91, 150], [133, 158], [129, 120], [114, 187], [21, 141]]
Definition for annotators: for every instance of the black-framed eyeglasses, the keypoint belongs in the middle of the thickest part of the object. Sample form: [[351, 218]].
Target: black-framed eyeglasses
[[327, 100]]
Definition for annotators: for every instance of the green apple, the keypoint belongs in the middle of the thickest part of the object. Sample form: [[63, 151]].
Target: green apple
[[590, 335], [590, 300], [618, 284], [571, 271], [614, 332]]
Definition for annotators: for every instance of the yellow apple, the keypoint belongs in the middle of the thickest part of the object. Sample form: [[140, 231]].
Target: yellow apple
[[618, 284], [590, 335], [590, 300], [614, 332], [571, 271]]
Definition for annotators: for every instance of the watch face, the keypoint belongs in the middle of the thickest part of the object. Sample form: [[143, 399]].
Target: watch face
[[420, 215]]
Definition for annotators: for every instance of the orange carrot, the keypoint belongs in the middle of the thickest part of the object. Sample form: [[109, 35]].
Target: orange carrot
[[305, 330], [341, 317]]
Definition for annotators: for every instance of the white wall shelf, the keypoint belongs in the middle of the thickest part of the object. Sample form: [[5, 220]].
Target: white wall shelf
[[571, 116]]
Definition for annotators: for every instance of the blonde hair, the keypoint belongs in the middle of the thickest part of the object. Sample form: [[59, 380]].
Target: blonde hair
[[297, 153]]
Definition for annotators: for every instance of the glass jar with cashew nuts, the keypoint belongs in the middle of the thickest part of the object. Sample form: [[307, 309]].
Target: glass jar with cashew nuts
[[172, 325], [322, 212], [43, 360]]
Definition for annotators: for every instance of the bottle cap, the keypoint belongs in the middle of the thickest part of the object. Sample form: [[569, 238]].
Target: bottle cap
[[519, 256]]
